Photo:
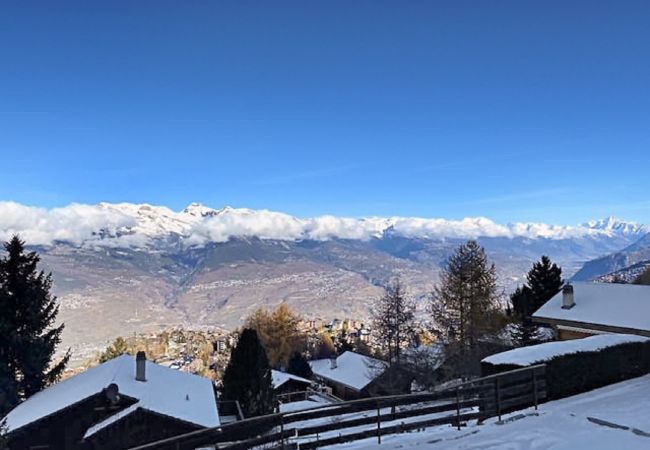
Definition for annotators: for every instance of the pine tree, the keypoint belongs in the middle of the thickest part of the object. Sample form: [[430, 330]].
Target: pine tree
[[299, 366], [525, 331], [8, 379], [117, 348], [247, 378], [544, 280], [393, 320], [465, 300], [28, 312]]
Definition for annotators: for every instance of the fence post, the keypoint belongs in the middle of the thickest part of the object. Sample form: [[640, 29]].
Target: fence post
[[535, 388], [378, 424], [282, 432], [457, 410], [498, 397]]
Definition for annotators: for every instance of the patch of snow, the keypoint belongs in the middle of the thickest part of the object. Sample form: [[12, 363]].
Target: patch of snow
[[315, 401], [112, 419], [279, 378], [526, 356]]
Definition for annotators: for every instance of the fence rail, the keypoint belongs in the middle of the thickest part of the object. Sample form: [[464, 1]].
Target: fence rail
[[478, 399]]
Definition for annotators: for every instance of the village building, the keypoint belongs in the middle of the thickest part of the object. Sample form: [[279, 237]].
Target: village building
[[124, 402], [287, 386], [352, 375], [586, 309]]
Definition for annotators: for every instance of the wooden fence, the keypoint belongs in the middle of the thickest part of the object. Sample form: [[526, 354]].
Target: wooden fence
[[479, 399]]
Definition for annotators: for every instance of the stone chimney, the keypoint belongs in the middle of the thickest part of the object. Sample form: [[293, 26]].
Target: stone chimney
[[140, 366], [568, 300], [332, 362]]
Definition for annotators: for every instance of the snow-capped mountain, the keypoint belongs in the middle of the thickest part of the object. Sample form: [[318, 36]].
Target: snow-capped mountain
[[124, 268], [142, 225], [612, 224]]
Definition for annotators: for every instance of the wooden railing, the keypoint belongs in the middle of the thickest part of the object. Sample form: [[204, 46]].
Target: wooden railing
[[479, 399]]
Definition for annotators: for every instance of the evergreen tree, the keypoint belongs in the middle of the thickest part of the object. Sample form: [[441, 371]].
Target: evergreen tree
[[544, 280], [525, 331], [8, 379], [27, 320], [299, 366], [117, 348], [393, 320], [248, 376], [465, 300]]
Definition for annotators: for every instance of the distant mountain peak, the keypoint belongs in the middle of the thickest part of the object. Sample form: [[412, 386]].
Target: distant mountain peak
[[614, 224], [199, 210], [140, 225]]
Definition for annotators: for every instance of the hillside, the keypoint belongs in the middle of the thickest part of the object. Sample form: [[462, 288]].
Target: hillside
[[125, 268], [626, 262]]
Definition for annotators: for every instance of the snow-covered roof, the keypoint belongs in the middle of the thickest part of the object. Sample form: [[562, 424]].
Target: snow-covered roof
[[352, 369], [610, 304], [169, 392], [279, 378], [526, 356]]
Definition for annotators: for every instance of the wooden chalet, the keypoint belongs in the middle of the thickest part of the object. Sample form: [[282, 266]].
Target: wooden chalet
[[352, 376], [586, 309], [121, 403], [286, 385]]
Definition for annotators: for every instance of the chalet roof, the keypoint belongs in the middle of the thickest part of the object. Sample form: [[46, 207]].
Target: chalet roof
[[526, 356], [615, 305], [279, 378], [169, 392], [352, 369]]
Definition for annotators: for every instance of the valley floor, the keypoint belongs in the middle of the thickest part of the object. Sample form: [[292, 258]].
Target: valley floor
[[613, 417]]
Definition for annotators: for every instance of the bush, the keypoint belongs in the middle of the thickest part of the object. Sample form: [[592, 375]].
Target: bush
[[575, 373]]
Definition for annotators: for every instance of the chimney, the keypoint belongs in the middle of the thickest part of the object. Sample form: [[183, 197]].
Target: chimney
[[568, 300], [140, 366], [332, 362]]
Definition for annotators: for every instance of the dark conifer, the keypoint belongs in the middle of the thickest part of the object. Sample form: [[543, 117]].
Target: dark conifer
[[27, 319], [544, 280], [247, 378], [525, 331], [299, 366]]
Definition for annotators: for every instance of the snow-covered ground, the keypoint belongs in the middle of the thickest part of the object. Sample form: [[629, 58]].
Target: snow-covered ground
[[560, 425]]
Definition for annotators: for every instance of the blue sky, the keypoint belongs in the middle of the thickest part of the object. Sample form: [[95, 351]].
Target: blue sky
[[511, 110]]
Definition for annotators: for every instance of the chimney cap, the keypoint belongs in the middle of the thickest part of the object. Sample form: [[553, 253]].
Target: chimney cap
[[568, 288], [140, 366]]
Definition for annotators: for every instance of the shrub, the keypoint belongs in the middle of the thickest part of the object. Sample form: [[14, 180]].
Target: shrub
[[575, 373]]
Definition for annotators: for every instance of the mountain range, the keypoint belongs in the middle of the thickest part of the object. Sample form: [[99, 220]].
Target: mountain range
[[126, 268]]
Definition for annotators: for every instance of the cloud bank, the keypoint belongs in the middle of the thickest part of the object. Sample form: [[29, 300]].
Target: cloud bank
[[131, 225]]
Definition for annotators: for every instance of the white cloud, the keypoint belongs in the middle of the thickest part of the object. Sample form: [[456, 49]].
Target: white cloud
[[130, 225], [74, 223]]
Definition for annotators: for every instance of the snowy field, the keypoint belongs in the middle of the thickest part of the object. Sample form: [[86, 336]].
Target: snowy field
[[560, 425]]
